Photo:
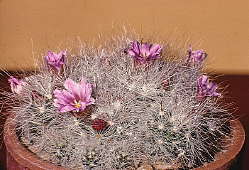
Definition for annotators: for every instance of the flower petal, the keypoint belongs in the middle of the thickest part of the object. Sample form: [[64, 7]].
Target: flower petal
[[66, 108], [144, 52], [155, 49], [76, 96]]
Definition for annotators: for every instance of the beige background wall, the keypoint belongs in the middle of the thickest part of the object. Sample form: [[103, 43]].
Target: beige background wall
[[221, 25]]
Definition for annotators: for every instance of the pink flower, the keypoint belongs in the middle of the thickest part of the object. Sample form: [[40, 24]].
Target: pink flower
[[144, 52], [16, 85], [206, 88], [196, 57], [56, 61], [76, 97]]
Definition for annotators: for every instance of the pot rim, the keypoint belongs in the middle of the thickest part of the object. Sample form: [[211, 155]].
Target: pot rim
[[30, 160], [22, 155], [223, 159]]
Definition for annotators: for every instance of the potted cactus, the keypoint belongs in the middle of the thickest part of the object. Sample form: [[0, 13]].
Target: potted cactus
[[124, 105]]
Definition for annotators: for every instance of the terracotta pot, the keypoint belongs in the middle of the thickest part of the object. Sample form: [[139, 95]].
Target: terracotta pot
[[223, 161], [19, 158]]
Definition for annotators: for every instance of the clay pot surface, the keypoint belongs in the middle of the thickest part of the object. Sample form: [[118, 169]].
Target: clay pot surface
[[19, 158], [224, 160]]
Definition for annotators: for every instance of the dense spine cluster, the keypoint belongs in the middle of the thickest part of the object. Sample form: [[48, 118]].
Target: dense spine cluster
[[119, 107]]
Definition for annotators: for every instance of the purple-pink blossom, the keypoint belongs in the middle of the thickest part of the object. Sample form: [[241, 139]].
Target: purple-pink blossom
[[196, 57], [76, 97], [54, 60], [16, 85], [144, 52], [206, 88]]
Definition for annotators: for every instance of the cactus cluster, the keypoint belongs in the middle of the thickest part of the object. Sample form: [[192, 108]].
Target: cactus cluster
[[120, 106]]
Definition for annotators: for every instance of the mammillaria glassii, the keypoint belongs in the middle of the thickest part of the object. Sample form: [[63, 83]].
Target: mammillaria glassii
[[149, 113]]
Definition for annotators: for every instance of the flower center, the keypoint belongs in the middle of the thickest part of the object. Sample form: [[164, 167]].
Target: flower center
[[144, 55], [77, 104]]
